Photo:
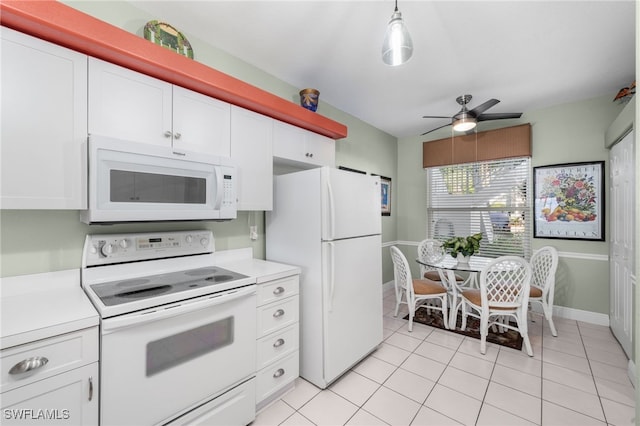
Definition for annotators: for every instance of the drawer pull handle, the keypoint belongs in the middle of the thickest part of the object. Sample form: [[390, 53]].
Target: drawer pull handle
[[279, 373], [278, 291], [278, 343], [28, 365], [90, 388], [278, 313]]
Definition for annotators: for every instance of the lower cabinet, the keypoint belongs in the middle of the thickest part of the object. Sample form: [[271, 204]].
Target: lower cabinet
[[67, 399], [52, 381], [278, 338]]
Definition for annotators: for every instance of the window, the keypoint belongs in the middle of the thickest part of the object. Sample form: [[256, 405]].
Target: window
[[489, 197]]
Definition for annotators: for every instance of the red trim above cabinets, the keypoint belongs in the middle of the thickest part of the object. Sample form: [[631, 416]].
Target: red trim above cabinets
[[60, 24]]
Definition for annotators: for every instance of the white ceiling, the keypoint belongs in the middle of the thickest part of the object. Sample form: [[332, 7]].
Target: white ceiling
[[527, 54]]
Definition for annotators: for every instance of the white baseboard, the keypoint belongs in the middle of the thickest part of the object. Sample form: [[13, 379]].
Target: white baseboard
[[631, 372], [577, 315], [558, 311]]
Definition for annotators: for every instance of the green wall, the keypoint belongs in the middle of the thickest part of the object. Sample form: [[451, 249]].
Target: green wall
[[34, 241], [560, 134]]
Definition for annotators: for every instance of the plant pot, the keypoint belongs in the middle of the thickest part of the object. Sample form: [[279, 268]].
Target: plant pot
[[309, 99], [462, 260]]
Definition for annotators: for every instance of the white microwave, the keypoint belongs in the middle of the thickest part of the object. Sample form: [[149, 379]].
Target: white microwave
[[138, 182]]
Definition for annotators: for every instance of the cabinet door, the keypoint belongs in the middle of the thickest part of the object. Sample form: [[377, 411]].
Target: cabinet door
[[251, 151], [68, 398], [44, 123], [288, 141], [127, 105], [201, 123], [307, 149], [321, 150]]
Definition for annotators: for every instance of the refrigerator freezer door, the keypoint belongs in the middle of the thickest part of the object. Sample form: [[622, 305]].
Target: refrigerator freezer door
[[350, 204], [352, 296]]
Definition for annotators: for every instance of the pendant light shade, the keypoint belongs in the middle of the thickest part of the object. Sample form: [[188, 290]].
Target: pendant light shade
[[397, 47]]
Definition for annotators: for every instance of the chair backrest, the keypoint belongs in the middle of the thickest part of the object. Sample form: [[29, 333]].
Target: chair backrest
[[429, 249], [401, 272], [505, 282], [544, 264]]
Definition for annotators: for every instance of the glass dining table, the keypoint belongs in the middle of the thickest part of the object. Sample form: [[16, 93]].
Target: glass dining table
[[447, 267]]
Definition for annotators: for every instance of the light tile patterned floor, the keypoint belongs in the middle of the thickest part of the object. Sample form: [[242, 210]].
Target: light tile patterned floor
[[432, 377]]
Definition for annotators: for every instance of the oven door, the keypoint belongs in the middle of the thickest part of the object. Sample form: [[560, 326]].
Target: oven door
[[160, 363]]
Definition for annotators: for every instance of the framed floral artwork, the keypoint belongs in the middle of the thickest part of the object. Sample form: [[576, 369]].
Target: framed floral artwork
[[569, 201]]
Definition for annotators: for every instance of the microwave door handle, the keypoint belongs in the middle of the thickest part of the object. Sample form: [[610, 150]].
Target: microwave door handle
[[219, 188], [111, 325]]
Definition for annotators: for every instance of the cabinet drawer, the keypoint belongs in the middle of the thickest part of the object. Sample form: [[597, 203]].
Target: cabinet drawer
[[277, 345], [70, 398], [275, 316], [63, 353], [277, 376], [277, 290]]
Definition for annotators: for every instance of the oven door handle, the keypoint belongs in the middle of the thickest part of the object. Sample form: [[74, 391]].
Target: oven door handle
[[110, 325]]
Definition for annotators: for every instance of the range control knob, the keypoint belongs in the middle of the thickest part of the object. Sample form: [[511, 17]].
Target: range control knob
[[108, 249], [124, 243], [204, 242], [189, 239]]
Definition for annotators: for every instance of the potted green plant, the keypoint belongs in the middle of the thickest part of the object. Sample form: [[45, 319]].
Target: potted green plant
[[462, 247]]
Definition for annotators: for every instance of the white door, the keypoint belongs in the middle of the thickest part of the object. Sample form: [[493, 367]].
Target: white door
[[200, 123], [128, 105], [622, 280], [352, 299], [350, 204], [44, 123], [70, 398], [251, 151]]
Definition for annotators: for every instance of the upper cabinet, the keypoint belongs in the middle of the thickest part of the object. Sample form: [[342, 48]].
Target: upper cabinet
[[128, 105], [300, 147], [44, 124], [251, 141]]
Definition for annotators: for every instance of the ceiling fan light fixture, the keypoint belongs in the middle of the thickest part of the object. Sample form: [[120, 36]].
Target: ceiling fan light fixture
[[397, 46], [464, 124]]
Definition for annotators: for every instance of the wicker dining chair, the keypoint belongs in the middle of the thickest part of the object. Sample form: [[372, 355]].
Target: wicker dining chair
[[503, 294], [544, 264], [415, 292]]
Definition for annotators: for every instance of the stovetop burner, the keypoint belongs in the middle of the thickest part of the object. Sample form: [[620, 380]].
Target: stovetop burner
[[120, 292]]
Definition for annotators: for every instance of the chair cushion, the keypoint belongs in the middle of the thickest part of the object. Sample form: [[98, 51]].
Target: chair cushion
[[473, 296], [535, 292], [427, 287], [435, 276]]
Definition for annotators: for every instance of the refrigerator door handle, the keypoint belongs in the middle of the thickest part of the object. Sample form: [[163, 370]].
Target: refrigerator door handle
[[332, 275], [332, 212]]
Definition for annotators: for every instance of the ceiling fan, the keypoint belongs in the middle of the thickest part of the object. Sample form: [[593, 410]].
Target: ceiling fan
[[466, 119]]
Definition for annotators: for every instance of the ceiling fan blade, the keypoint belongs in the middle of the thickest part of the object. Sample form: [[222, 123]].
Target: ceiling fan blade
[[499, 116], [433, 130], [436, 116], [483, 107]]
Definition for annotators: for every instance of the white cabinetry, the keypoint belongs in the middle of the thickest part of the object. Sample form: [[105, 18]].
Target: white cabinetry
[[44, 123], [128, 105], [278, 337], [251, 151], [297, 146], [53, 380]]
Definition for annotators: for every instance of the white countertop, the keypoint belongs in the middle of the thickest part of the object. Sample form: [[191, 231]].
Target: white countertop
[[241, 261], [38, 306]]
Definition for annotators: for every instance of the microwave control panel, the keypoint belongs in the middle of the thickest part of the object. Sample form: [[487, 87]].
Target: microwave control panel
[[120, 248]]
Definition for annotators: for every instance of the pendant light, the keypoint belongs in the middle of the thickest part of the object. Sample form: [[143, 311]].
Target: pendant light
[[397, 47]]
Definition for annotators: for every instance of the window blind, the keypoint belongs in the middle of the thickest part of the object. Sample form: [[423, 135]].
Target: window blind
[[490, 197]]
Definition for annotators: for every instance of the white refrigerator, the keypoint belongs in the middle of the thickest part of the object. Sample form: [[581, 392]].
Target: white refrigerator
[[327, 222]]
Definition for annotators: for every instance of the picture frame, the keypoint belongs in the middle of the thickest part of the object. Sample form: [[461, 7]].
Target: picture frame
[[569, 201], [385, 195]]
